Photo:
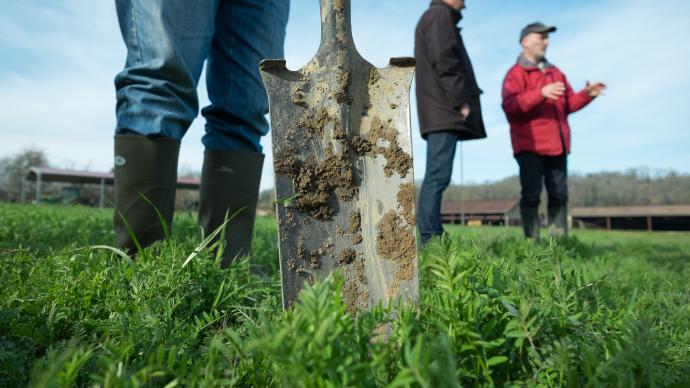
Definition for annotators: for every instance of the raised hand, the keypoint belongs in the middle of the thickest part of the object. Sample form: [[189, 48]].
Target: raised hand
[[553, 91], [595, 89]]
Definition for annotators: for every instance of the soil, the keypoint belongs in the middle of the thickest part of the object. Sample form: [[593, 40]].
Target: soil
[[342, 95], [356, 227], [361, 145], [314, 259], [300, 248], [298, 98], [314, 124], [315, 183], [355, 290], [396, 242], [374, 77], [347, 256], [396, 158], [406, 201]]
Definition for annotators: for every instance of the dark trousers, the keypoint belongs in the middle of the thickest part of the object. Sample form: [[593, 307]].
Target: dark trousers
[[440, 152], [537, 170]]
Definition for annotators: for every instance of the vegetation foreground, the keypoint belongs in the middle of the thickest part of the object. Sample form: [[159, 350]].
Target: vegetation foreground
[[610, 309]]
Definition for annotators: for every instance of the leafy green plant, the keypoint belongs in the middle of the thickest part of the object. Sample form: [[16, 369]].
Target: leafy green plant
[[494, 310]]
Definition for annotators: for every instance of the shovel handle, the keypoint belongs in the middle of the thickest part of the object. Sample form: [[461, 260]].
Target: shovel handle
[[336, 26]]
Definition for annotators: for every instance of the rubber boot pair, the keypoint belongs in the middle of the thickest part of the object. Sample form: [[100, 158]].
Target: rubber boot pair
[[146, 177]]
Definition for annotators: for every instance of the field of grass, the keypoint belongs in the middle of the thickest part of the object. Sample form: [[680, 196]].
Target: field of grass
[[598, 309]]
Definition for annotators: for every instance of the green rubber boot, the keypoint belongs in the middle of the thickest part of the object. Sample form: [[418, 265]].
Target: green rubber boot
[[230, 182], [144, 167]]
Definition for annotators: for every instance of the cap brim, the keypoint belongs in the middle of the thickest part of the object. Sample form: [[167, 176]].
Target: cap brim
[[546, 29]]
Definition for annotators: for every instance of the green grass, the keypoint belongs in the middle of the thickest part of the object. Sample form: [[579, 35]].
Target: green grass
[[598, 309]]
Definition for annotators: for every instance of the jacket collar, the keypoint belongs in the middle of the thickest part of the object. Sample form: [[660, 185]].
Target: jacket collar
[[529, 65], [456, 14]]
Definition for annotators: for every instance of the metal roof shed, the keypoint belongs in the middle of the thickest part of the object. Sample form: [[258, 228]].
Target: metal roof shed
[[45, 174]]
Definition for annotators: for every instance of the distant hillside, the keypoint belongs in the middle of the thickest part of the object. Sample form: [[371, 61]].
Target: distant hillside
[[633, 187]]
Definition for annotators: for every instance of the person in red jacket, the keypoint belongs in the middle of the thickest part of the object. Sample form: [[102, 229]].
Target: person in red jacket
[[537, 100]]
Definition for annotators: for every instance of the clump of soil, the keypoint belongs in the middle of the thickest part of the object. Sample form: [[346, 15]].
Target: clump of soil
[[342, 93], [404, 273], [356, 227], [315, 124], [314, 260], [406, 200], [355, 290], [347, 256], [396, 158], [361, 145], [300, 248], [298, 97], [396, 242], [374, 76], [316, 183]]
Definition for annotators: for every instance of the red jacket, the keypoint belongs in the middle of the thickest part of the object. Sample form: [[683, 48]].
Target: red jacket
[[536, 124]]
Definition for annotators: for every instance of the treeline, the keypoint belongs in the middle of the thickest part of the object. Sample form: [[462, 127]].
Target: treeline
[[633, 187], [630, 188]]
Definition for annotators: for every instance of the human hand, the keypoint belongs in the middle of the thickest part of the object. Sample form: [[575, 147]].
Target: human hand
[[465, 111], [595, 89], [553, 91]]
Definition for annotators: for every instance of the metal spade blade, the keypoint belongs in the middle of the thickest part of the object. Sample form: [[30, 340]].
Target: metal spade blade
[[343, 165]]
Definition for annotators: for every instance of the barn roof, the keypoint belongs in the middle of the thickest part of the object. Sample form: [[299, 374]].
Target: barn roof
[[74, 176]]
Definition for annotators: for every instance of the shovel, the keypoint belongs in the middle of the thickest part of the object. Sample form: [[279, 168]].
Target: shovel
[[343, 168]]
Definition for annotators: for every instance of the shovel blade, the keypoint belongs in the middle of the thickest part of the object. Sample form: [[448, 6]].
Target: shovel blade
[[343, 167]]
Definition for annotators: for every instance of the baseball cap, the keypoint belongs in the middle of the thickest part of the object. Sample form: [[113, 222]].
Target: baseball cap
[[536, 27]]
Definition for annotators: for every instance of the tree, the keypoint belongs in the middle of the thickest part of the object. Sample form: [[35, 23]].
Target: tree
[[14, 169]]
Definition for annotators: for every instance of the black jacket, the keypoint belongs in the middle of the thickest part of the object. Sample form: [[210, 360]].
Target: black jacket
[[445, 78]]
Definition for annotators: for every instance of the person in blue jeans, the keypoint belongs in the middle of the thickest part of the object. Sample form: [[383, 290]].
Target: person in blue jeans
[[168, 42], [448, 104]]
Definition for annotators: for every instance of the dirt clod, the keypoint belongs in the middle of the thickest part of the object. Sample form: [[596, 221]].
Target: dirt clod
[[315, 182], [347, 256], [361, 145], [396, 242], [374, 76], [342, 93], [406, 200], [356, 227]]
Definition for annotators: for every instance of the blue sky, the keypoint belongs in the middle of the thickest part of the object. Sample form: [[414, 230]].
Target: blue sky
[[59, 58]]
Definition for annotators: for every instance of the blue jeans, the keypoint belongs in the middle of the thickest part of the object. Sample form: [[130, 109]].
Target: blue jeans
[[168, 42], [440, 152]]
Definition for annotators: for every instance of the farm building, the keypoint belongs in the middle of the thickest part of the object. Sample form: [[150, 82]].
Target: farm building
[[482, 212], [40, 175], [660, 218]]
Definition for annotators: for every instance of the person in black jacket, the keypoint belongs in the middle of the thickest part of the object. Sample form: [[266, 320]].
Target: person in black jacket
[[447, 101]]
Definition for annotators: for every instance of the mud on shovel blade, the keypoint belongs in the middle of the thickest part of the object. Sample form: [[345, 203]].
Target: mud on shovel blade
[[343, 166]]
